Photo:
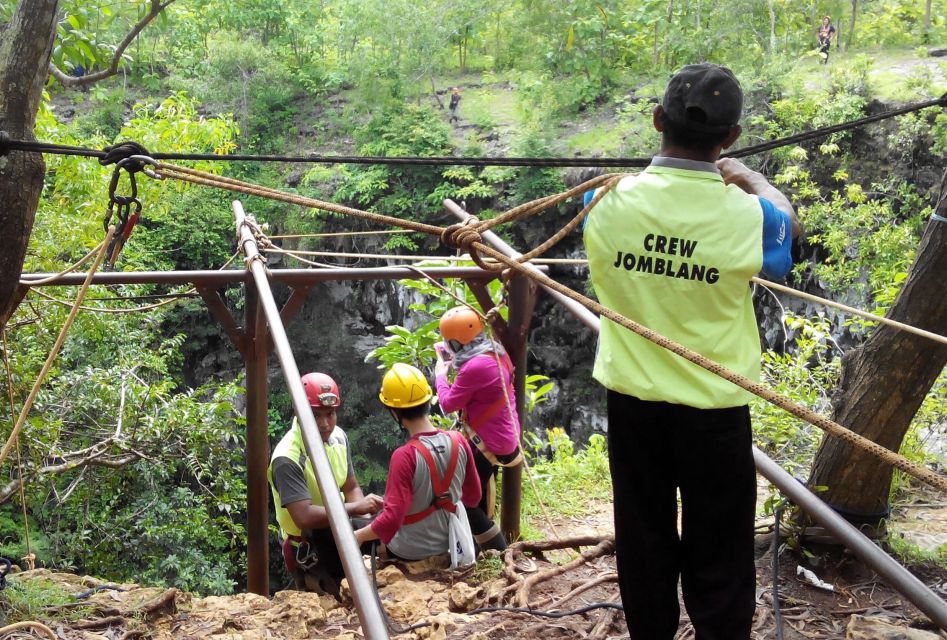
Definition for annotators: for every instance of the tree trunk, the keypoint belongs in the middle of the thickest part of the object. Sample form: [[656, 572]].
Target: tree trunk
[[771, 49], [927, 22], [850, 36], [884, 382], [25, 45]]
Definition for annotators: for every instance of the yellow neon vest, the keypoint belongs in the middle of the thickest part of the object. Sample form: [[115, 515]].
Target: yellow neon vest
[[291, 446], [674, 249]]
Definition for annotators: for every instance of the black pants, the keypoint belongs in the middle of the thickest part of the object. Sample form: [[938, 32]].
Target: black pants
[[328, 554], [654, 449]]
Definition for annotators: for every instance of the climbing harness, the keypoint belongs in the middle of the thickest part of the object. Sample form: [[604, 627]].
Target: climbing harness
[[439, 484]]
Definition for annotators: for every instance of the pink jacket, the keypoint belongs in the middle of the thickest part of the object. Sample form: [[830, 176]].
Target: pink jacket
[[477, 392]]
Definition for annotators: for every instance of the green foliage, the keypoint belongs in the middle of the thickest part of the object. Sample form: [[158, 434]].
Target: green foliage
[[567, 480], [806, 374], [392, 189]]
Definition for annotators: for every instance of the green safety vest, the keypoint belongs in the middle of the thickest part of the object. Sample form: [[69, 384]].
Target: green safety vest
[[291, 446], [674, 250]]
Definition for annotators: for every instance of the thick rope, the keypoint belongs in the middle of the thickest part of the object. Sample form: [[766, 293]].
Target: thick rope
[[30, 556], [465, 236], [209, 179], [28, 404]]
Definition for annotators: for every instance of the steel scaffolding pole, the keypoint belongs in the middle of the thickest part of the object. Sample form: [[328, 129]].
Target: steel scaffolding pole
[[363, 593]]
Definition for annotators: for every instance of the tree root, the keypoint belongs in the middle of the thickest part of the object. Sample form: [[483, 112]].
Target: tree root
[[98, 623], [601, 628], [39, 626], [610, 576], [522, 589], [165, 603]]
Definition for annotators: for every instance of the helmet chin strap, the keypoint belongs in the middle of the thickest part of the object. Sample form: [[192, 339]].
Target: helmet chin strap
[[397, 418]]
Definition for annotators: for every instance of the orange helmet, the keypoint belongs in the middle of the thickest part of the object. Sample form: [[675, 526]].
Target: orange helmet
[[462, 324], [321, 391]]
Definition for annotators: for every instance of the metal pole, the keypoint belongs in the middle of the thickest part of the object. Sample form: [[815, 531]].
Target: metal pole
[[366, 603], [258, 447], [899, 578], [291, 277]]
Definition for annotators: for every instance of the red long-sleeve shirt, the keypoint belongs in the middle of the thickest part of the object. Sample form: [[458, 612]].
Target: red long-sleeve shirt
[[398, 489]]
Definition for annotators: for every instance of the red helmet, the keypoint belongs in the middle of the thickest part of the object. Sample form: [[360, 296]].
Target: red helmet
[[321, 390]]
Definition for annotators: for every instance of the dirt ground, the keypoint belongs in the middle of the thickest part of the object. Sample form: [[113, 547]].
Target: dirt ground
[[547, 579]]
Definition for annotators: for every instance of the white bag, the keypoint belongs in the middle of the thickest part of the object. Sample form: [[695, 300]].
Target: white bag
[[460, 539]]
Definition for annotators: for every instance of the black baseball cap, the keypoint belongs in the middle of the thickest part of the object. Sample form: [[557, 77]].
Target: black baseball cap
[[705, 98]]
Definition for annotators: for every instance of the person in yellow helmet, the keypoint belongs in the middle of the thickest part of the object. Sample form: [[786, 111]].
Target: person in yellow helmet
[[482, 391], [431, 479]]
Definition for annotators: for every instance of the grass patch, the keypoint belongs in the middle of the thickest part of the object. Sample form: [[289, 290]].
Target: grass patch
[[487, 568], [567, 480], [32, 600], [912, 555]]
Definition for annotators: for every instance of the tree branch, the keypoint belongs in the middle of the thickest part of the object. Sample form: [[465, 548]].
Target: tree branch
[[69, 81], [95, 457]]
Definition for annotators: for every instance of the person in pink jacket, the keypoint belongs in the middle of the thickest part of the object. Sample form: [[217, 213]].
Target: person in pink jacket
[[482, 391]]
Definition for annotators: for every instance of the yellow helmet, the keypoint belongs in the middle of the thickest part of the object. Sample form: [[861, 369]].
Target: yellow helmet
[[404, 386]]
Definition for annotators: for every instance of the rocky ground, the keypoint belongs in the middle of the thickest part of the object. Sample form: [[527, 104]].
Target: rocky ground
[[568, 572]]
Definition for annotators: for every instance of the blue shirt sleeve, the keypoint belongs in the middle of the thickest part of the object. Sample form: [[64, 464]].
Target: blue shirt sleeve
[[777, 241], [586, 199]]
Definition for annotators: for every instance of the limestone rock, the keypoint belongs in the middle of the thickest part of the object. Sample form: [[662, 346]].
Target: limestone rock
[[388, 575], [867, 628], [463, 597], [433, 563]]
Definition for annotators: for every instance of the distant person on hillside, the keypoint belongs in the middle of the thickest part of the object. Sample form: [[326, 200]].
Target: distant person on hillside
[[454, 102], [674, 248], [309, 549], [826, 33]]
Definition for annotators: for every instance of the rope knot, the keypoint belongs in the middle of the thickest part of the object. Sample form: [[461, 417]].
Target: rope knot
[[462, 235], [121, 152]]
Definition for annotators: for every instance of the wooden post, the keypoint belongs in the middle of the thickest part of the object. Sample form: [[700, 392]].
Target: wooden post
[[258, 447], [522, 298]]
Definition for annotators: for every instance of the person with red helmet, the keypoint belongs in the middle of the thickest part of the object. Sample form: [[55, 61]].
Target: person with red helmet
[[483, 392], [309, 550]]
